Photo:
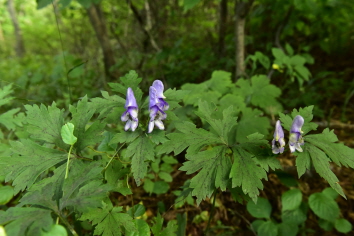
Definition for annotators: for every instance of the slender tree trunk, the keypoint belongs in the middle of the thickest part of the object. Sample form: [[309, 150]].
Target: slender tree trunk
[[98, 23], [20, 49], [222, 27], [242, 8], [2, 39]]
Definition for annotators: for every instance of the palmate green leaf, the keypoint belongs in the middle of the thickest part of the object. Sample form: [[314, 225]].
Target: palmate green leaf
[[110, 108], [109, 220], [264, 93], [27, 221], [306, 113], [124, 137], [251, 122], [259, 147], [199, 92], [81, 115], [10, 120], [141, 150], [47, 192], [115, 176], [337, 152], [131, 80], [214, 172], [191, 137], [84, 188], [303, 162], [30, 160], [157, 227], [321, 164], [246, 173], [44, 123], [221, 127], [4, 92]]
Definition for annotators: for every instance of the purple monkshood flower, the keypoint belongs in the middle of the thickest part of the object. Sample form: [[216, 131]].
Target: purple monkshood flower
[[278, 142], [158, 85], [131, 113], [295, 139], [157, 106]]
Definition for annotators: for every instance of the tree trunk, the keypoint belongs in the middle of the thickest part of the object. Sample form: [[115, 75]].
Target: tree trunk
[[2, 39], [242, 8], [98, 23], [222, 27], [20, 49]]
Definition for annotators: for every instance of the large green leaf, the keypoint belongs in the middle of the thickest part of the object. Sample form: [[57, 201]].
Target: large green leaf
[[28, 221], [24, 172], [246, 173], [141, 150], [110, 108], [214, 172], [337, 152], [109, 220], [44, 123], [291, 199], [251, 122], [321, 163], [191, 137], [81, 115], [324, 207], [157, 229], [261, 209], [131, 80], [221, 127], [84, 188]]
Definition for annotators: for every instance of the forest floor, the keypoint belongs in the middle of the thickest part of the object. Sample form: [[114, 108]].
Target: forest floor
[[232, 218]]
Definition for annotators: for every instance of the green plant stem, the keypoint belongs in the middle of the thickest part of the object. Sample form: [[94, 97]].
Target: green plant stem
[[211, 212], [72, 230], [67, 163], [114, 155]]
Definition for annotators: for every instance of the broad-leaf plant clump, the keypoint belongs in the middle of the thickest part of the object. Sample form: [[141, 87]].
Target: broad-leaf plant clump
[[67, 164]]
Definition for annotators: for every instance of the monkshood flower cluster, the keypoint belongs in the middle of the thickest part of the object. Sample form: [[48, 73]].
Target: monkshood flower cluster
[[157, 108], [295, 138]]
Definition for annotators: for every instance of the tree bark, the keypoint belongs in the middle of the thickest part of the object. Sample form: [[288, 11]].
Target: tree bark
[[20, 49], [242, 8], [222, 27], [2, 39], [98, 23]]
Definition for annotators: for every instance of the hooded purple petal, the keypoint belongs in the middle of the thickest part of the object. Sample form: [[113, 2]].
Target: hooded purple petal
[[157, 106], [295, 139], [131, 114], [278, 142], [297, 124], [158, 85]]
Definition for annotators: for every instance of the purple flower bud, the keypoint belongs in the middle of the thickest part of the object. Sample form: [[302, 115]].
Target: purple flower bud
[[295, 139], [278, 142], [156, 109], [131, 114]]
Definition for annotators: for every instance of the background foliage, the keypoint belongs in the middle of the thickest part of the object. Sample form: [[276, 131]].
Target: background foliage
[[73, 69]]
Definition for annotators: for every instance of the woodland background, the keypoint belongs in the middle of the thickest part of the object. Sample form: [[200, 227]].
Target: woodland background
[[62, 50]]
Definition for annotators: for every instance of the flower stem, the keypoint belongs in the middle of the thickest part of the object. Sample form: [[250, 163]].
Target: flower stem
[[212, 212], [113, 156], [67, 163]]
